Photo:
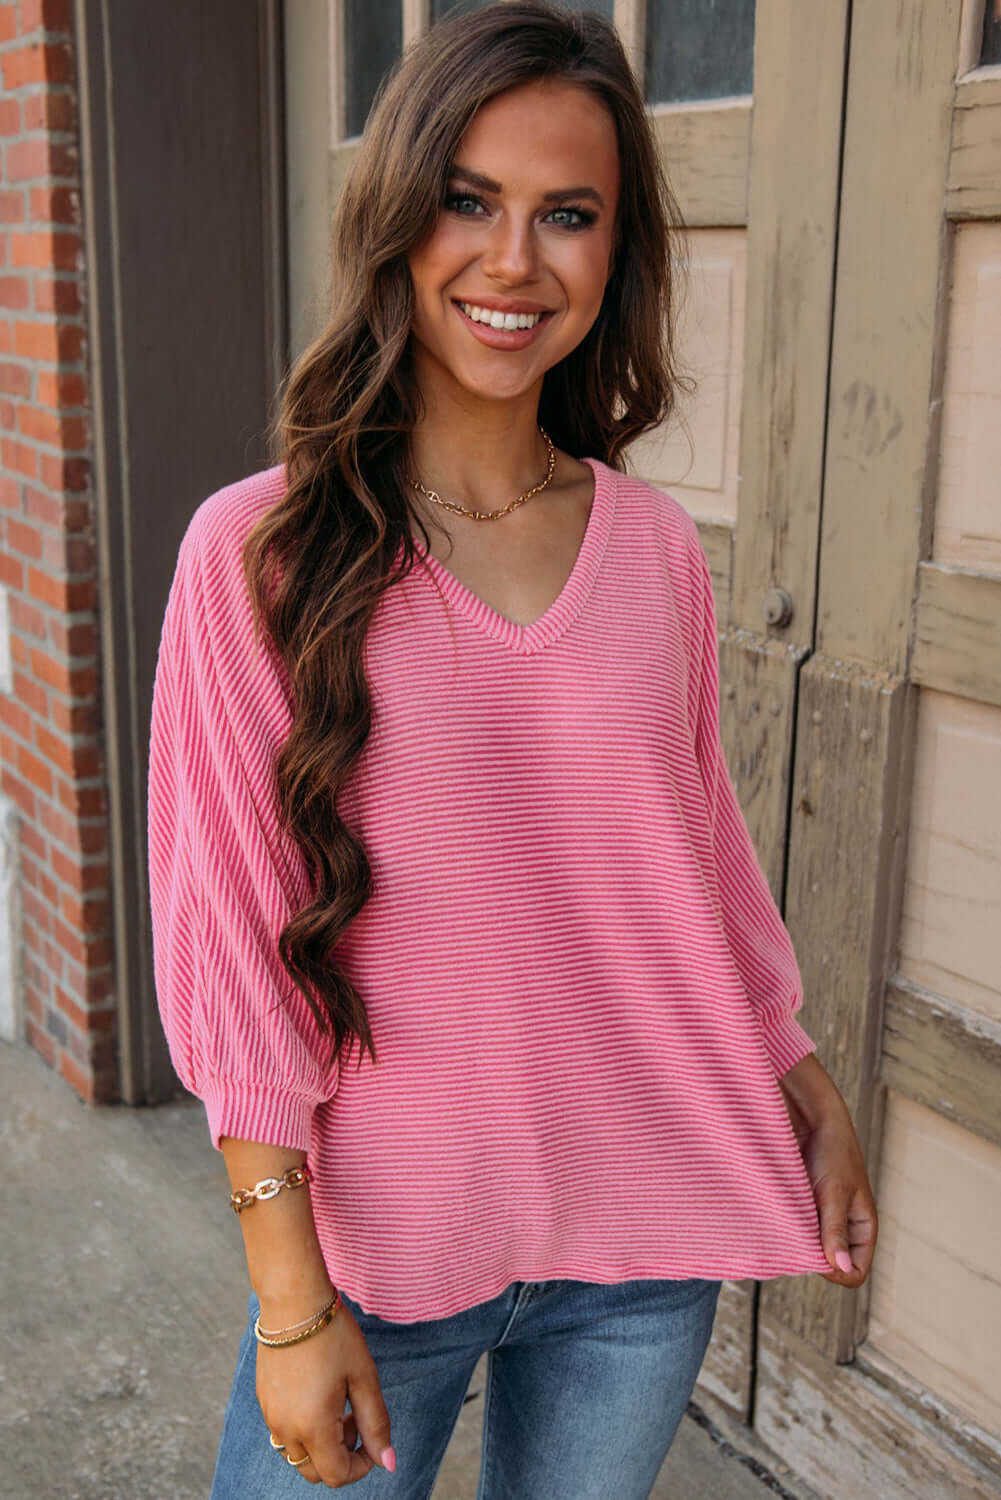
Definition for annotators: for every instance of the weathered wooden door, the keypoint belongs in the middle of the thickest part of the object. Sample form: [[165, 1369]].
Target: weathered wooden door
[[893, 889], [838, 170]]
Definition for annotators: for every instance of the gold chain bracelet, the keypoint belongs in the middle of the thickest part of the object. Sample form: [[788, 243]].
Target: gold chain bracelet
[[269, 1187], [322, 1318]]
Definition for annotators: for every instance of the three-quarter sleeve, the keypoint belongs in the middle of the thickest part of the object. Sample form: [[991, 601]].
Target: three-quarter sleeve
[[757, 936], [223, 883]]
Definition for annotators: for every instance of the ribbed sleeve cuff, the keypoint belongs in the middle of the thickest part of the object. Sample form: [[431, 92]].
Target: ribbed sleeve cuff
[[255, 1113], [786, 1044]]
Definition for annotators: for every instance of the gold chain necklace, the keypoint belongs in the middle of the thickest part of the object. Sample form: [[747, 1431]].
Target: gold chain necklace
[[492, 515]]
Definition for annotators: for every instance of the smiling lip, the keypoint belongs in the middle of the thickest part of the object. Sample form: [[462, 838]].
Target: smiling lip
[[503, 304], [504, 338]]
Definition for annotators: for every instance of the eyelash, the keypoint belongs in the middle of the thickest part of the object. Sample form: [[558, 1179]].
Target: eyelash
[[585, 217]]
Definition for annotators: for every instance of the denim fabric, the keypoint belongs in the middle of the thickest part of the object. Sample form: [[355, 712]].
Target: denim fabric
[[586, 1386]]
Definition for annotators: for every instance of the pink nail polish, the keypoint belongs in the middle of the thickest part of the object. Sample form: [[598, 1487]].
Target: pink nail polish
[[388, 1458], [844, 1261]]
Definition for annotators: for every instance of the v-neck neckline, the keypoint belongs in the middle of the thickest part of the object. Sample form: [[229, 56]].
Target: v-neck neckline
[[524, 639]]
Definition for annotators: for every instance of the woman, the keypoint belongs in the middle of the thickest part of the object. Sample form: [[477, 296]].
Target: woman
[[453, 903]]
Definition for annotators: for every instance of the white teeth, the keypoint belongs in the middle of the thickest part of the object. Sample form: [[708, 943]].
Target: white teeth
[[498, 319]]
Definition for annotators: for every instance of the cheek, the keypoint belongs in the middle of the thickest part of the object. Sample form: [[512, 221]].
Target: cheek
[[589, 271], [438, 261]]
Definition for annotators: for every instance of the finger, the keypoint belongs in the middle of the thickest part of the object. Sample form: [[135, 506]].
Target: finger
[[373, 1420], [332, 1454], [848, 1235], [294, 1454], [862, 1233], [833, 1202]]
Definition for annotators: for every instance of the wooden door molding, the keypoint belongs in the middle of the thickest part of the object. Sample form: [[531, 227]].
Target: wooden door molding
[[886, 364], [973, 190], [795, 159]]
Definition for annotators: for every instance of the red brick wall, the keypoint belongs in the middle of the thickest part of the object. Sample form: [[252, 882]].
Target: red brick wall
[[51, 754]]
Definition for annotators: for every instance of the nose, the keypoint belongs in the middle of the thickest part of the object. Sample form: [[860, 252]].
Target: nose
[[511, 252]]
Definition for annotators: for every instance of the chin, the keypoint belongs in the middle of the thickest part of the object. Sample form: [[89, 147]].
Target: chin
[[485, 390]]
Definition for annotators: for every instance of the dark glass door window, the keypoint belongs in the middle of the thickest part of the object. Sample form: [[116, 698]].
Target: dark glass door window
[[373, 40], [441, 8], [698, 49], [990, 51]]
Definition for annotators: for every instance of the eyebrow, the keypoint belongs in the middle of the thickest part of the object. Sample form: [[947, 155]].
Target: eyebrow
[[487, 185]]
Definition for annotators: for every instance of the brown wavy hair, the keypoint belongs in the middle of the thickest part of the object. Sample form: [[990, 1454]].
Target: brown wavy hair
[[317, 563]]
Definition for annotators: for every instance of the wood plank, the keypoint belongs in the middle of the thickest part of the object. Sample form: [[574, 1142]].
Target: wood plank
[[849, 1431], [799, 53], [973, 189], [307, 136], [850, 806], [717, 543], [416, 19], [630, 22], [705, 149], [339, 165], [939, 1227], [889, 316], [957, 632], [949, 937], [696, 456], [758, 694], [944, 1055], [726, 1369], [337, 56], [967, 508], [965, 1439]]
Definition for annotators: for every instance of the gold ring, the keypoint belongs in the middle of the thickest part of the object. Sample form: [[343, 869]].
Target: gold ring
[[278, 1447], [297, 1463]]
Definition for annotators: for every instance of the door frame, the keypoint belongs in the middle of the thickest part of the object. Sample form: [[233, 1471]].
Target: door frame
[[209, 376]]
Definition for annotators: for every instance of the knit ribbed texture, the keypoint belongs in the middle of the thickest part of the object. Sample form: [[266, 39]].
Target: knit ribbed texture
[[580, 988]]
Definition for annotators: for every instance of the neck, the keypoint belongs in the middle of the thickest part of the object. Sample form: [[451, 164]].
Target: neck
[[480, 454]]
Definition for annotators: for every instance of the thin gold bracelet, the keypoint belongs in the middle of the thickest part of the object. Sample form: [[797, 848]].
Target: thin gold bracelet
[[276, 1333], [321, 1321]]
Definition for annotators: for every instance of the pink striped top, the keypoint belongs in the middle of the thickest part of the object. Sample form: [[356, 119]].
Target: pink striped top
[[581, 991]]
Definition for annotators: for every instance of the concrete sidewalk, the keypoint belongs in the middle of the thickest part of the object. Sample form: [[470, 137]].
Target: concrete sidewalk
[[124, 1289]]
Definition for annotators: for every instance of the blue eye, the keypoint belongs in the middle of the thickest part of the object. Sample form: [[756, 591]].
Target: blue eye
[[582, 218], [457, 203], [566, 216]]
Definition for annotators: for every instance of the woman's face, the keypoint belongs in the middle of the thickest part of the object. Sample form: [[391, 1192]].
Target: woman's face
[[526, 234]]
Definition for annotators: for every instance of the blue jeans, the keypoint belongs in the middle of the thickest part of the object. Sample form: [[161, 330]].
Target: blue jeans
[[586, 1386]]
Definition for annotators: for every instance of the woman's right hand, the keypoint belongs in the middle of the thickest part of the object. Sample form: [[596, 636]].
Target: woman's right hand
[[302, 1389]]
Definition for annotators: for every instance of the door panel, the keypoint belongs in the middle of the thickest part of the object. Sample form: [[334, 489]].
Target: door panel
[[940, 1200]]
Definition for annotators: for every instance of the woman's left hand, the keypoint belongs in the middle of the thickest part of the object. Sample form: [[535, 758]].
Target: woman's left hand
[[833, 1158]]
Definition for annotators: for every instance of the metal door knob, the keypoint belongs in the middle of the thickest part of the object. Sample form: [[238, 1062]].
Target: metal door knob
[[778, 607]]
